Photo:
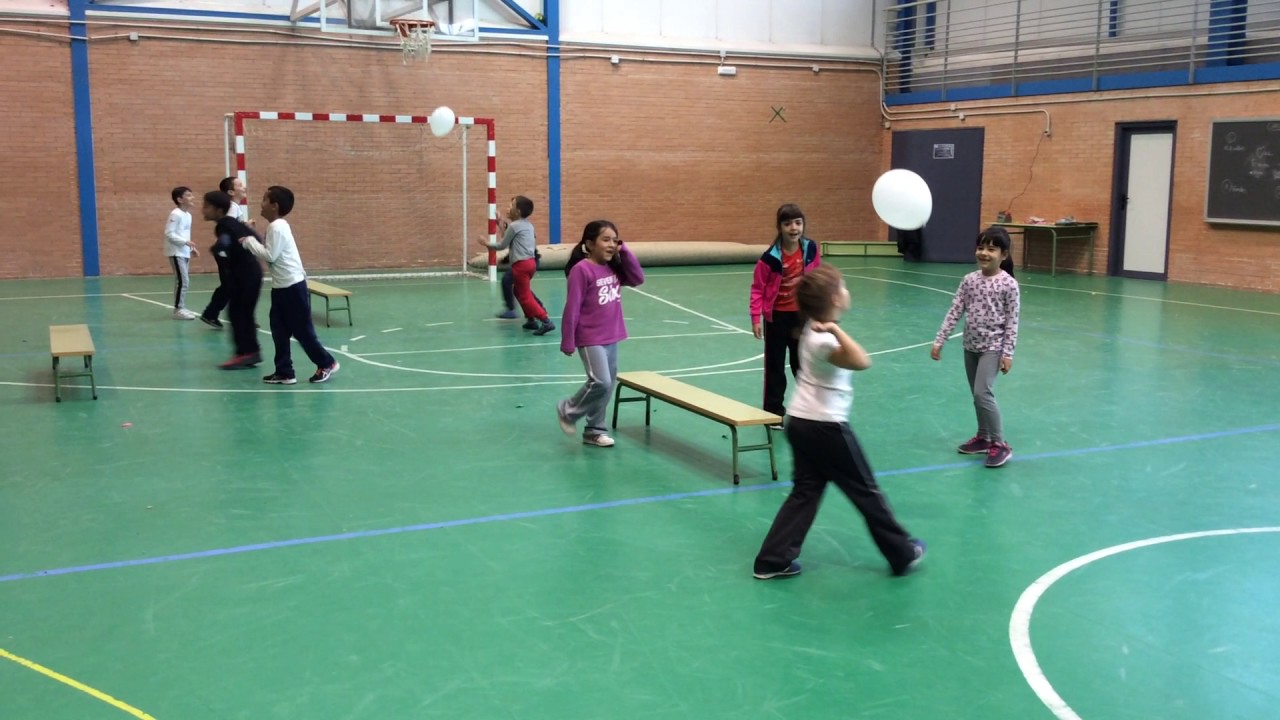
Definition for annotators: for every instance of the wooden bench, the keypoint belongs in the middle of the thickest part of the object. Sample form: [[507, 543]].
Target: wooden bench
[[327, 292], [849, 248], [702, 402], [71, 341]]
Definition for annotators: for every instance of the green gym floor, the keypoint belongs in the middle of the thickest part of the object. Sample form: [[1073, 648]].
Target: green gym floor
[[417, 539]]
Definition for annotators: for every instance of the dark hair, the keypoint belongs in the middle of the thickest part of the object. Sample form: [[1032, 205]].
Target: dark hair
[[591, 232], [815, 289], [218, 199], [226, 185], [178, 192], [524, 206], [789, 211], [998, 237], [282, 198]]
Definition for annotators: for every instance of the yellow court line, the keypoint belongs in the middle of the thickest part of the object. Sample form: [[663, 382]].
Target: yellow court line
[[117, 704]]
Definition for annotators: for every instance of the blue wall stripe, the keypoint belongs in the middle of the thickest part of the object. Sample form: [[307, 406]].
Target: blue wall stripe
[[83, 110], [552, 15]]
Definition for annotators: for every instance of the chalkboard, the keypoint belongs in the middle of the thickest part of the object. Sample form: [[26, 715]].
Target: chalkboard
[[1244, 172]]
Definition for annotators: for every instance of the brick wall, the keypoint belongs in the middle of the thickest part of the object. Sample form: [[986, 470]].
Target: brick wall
[[677, 152], [369, 196], [1074, 168], [663, 146], [39, 201]]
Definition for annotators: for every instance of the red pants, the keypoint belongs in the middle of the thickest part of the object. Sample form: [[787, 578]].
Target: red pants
[[522, 272]]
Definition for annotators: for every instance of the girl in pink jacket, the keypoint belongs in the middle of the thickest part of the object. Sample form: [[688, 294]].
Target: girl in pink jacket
[[775, 316]]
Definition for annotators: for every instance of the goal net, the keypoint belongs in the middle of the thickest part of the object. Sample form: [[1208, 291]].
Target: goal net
[[375, 194]]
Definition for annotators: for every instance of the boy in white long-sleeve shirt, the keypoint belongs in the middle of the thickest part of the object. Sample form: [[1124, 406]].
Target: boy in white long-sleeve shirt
[[290, 303], [179, 249]]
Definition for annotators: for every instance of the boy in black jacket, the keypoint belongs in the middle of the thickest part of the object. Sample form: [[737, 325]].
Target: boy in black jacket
[[242, 279]]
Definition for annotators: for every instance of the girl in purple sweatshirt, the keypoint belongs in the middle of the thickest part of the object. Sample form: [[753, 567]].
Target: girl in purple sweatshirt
[[592, 325]]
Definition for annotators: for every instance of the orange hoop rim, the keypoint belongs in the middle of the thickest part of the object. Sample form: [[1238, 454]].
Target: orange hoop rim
[[405, 26]]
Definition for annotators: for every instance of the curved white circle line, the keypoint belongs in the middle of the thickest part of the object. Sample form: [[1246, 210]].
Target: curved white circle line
[[1020, 620], [426, 371]]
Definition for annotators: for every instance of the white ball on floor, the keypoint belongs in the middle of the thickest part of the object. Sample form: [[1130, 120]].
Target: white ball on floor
[[902, 199]]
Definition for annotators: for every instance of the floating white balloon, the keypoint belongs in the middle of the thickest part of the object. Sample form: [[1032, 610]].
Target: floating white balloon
[[441, 121], [902, 200]]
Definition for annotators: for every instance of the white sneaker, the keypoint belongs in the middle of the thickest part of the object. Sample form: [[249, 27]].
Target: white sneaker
[[184, 314], [599, 440]]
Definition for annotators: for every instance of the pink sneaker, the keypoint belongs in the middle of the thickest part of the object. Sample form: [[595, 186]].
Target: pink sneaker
[[999, 454], [976, 445]]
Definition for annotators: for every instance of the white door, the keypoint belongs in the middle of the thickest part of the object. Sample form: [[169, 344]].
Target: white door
[[1146, 226]]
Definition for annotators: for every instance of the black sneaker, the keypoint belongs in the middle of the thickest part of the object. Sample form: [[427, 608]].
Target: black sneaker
[[920, 548], [323, 374], [214, 323], [791, 571], [530, 324], [278, 379], [544, 327]]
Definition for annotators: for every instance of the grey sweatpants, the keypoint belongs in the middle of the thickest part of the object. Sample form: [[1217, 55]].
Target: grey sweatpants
[[180, 281], [592, 399], [982, 369]]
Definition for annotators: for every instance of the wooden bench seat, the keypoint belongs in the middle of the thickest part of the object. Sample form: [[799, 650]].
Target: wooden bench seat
[[723, 410], [71, 341], [327, 292], [851, 248]]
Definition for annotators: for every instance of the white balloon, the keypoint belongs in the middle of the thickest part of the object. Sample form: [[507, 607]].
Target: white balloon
[[441, 121], [902, 200]]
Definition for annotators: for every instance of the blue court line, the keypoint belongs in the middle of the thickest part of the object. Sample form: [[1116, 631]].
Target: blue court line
[[603, 506]]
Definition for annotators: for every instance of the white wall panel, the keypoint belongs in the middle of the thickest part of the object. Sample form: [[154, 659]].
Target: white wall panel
[[743, 21], [689, 19], [796, 22], [847, 23], [631, 18]]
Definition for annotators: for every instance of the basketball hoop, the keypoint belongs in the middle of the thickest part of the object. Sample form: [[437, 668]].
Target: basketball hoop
[[415, 37]]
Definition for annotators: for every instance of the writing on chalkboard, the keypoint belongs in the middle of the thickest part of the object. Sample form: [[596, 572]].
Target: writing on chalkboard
[[1244, 173]]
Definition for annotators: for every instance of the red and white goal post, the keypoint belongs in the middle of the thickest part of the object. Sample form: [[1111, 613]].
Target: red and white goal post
[[374, 192]]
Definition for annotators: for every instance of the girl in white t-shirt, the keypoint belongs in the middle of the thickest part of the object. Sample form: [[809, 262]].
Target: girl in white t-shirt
[[822, 443]]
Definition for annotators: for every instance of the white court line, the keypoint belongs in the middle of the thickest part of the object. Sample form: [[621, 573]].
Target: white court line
[[1020, 621], [153, 302], [687, 372], [302, 388], [89, 295], [677, 306], [899, 282], [425, 371], [677, 322], [1092, 292], [531, 344], [358, 337], [392, 330], [449, 322]]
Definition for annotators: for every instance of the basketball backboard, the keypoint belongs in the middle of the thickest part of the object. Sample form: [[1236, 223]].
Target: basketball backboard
[[454, 19]]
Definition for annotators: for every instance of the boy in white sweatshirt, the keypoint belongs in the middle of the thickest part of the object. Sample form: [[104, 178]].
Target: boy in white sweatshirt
[[179, 249], [290, 303]]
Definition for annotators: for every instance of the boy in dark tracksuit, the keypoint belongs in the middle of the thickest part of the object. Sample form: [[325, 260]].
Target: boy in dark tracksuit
[[241, 276], [775, 316]]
